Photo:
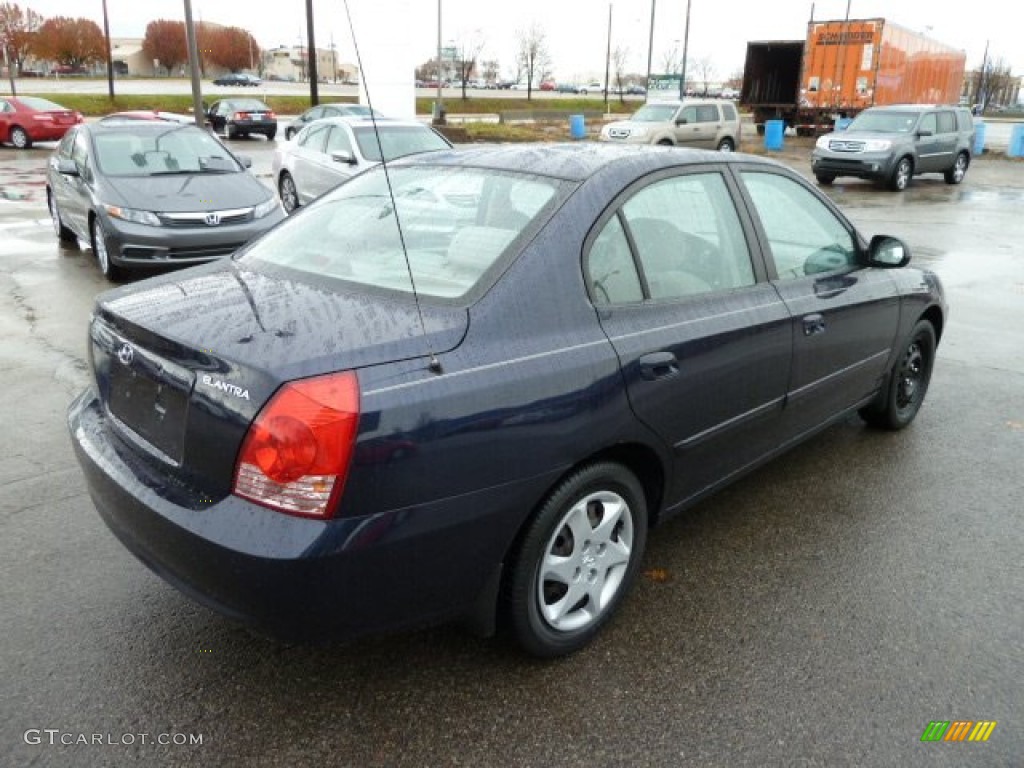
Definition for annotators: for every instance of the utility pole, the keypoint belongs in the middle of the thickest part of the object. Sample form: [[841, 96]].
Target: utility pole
[[439, 107], [981, 97], [650, 48], [686, 48], [110, 62], [193, 66], [608, 59], [314, 93]]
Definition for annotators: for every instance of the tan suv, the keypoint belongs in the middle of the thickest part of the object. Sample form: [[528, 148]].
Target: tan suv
[[699, 123]]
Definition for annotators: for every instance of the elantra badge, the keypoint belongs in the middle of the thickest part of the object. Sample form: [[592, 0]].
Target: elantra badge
[[223, 386]]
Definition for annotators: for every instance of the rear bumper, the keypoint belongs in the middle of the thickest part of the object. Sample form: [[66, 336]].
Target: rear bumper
[[295, 578]]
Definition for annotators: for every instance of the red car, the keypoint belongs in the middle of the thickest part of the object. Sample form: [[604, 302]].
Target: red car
[[26, 119], [547, 85]]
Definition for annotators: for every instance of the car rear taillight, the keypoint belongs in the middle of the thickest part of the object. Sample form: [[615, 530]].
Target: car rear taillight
[[240, 116], [270, 115], [296, 454]]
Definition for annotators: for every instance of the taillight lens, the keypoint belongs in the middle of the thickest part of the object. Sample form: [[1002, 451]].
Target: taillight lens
[[240, 116], [296, 454], [271, 115]]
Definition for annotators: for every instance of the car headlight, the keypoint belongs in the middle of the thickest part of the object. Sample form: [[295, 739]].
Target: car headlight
[[822, 142], [130, 214], [877, 145], [266, 207]]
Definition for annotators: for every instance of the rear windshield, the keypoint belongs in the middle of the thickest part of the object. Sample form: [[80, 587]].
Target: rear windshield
[[456, 223], [43, 105], [886, 122], [397, 141], [654, 113], [248, 105]]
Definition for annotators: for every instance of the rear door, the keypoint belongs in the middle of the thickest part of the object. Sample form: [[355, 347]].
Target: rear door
[[704, 342], [844, 316]]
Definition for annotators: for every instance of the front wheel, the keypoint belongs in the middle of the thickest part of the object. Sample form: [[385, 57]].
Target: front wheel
[[289, 194], [99, 246], [20, 138], [63, 234], [577, 560], [956, 174], [726, 145], [907, 384], [824, 178], [901, 174], [289, 134]]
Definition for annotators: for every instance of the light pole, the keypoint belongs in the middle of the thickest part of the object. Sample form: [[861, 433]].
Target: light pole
[[439, 106], [314, 93], [650, 48], [110, 63], [608, 59], [686, 44], [193, 66]]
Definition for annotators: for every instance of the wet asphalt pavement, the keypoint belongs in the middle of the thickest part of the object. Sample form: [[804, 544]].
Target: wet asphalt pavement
[[820, 612]]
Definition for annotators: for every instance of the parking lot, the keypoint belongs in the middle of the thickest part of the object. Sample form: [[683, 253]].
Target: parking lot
[[820, 612]]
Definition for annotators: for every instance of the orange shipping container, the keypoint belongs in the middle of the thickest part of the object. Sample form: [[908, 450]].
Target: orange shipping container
[[851, 65]]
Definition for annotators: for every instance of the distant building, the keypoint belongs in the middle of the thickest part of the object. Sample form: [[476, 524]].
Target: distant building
[[291, 63]]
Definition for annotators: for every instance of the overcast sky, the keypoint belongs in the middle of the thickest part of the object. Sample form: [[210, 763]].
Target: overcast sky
[[576, 30]]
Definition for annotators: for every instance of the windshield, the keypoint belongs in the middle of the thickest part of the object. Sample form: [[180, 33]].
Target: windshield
[[43, 105], [457, 223], [397, 140], [654, 113], [884, 122], [176, 149]]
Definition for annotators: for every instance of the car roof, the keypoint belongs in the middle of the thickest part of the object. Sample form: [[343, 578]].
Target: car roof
[[135, 125], [361, 121], [578, 161]]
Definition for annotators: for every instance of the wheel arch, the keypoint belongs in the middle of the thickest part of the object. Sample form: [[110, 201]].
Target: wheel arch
[[934, 316]]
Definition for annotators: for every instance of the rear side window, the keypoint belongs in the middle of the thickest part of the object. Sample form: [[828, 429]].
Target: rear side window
[[687, 240], [964, 120], [729, 111]]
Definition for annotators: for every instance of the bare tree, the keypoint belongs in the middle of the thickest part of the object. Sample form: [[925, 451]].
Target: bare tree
[[532, 59], [670, 60], [491, 70], [704, 68], [619, 70], [469, 54]]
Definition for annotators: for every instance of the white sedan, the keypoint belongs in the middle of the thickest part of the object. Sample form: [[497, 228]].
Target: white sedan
[[327, 152]]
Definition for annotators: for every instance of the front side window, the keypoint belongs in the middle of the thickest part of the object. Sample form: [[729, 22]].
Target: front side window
[[707, 113], [805, 236], [313, 138], [947, 123], [928, 123], [457, 224], [337, 141]]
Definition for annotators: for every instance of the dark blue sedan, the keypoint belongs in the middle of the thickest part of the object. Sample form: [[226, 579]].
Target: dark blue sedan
[[470, 392]]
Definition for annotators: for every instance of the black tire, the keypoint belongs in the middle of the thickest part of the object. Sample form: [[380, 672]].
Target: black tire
[[288, 193], [19, 137], [601, 568], [289, 133], [110, 270], [901, 174], [956, 173], [824, 178], [271, 134], [726, 145], [229, 131], [907, 384], [666, 143], [63, 234]]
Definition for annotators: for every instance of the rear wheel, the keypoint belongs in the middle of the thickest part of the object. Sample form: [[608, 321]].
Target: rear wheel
[[99, 246], [20, 137], [956, 174], [907, 384], [666, 143], [289, 194], [271, 134], [577, 560], [901, 174], [289, 133], [726, 145]]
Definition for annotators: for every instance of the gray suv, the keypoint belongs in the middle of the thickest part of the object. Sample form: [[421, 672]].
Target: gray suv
[[697, 123], [892, 144]]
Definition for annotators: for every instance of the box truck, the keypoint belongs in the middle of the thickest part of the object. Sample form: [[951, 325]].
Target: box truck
[[843, 67]]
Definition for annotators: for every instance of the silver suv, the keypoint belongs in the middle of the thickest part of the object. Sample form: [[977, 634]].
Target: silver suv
[[700, 123], [892, 144]]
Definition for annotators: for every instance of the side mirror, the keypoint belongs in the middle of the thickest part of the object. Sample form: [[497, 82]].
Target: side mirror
[[925, 132], [66, 166], [888, 252], [341, 156], [245, 160]]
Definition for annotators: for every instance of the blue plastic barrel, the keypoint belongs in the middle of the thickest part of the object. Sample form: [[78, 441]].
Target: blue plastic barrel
[[979, 137], [773, 133], [842, 123], [577, 127], [1016, 148]]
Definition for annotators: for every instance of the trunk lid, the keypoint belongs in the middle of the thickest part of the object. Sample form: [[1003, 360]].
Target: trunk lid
[[184, 362]]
